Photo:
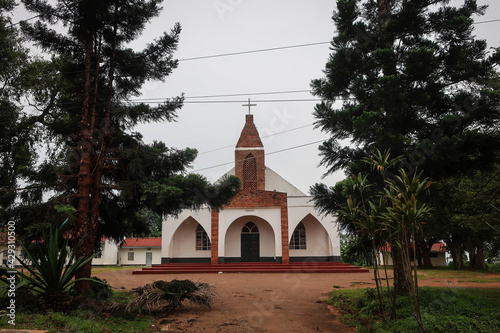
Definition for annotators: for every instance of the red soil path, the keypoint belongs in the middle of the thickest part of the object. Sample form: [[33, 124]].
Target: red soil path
[[259, 302]]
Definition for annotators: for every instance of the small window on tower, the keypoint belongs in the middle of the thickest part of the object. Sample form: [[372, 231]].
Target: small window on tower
[[250, 173]]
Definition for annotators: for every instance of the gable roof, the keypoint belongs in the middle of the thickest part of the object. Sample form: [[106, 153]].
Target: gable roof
[[274, 182], [141, 242]]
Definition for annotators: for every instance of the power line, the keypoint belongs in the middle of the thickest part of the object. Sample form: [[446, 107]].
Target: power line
[[253, 51], [26, 20], [228, 95], [249, 51], [265, 154], [241, 101], [263, 137], [488, 21]]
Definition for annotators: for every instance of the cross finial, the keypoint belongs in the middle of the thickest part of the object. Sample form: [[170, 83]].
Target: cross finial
[[249, 105]]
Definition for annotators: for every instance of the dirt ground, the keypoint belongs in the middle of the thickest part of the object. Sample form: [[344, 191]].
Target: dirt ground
[[274, 302]]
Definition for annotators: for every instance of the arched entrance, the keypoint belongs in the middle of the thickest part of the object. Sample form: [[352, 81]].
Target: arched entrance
[[249, 238], [250, 243]]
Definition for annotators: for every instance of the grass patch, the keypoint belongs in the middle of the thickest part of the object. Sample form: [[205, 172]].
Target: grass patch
[[448, 273], [105, 269], [443, 310], [84, 322], [481, 279], [84, 319]]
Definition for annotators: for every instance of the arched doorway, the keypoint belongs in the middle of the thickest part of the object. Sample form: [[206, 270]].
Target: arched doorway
[[250, 243], [232, 240]]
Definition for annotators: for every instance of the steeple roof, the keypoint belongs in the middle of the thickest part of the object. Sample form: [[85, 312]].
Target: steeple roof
[[249, 137]]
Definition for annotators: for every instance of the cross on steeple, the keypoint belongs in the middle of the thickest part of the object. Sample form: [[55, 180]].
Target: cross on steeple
[[249, 105]]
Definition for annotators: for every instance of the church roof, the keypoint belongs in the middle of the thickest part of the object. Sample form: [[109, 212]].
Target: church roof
[[274, 182], [249, 137]]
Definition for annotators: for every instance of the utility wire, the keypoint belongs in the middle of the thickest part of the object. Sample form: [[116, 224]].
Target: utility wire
[[26, 20], [256, 101], [253, 51], [265, 154], [263, 137], [228, 95]]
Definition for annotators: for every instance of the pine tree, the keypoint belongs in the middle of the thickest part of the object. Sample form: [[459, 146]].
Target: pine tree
[[17, 154], [103, 174], [408, 76]]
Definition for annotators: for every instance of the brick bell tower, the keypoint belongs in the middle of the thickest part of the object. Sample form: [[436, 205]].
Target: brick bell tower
[[249, 157], [250, 167]]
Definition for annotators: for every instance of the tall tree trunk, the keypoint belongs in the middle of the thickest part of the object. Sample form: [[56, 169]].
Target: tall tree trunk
[[479, 258], [456, 253], [401, 286], [476, 257], [425, 252], [426, 258], [100, 129], [83, 224]]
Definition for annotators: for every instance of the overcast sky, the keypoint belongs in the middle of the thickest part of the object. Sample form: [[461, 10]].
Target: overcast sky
[[214, 27]]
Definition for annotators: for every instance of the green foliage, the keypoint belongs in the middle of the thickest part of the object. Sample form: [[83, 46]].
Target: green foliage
[[17, 153], [82, 110], [406, 76], [443, 310], [494, 267], [356, 250], [52, 268], [410, 76], [26, 300]]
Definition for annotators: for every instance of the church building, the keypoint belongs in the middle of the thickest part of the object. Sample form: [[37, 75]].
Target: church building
[[269, 220]]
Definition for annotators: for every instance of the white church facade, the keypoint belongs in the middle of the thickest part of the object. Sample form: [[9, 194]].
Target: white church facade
[[269, 220]]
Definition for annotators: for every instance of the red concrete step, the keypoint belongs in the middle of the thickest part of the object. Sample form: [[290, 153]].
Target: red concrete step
[[301, 267]]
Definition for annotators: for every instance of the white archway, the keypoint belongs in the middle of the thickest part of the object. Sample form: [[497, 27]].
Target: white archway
[[318, 242], [232, 239], [183, 242]]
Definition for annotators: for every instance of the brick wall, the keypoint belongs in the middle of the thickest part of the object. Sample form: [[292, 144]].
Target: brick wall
[[240, 156], [256, 199], [215, 237]]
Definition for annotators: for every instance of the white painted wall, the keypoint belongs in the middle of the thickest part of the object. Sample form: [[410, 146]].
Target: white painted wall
[[179, 237], [440, 261], [171, 224], [302, 209], [267, 218], [317, 240], [109, 254], [183, 244], [4, 249], [139, 256]]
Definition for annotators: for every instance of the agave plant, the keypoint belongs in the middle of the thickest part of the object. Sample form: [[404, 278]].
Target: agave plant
[[52, 266]]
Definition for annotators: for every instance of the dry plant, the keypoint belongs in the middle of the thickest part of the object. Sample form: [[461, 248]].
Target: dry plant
[[161, 295]]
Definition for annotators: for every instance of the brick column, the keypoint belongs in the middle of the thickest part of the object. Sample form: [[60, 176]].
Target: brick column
[[215, 237], [285, 254]]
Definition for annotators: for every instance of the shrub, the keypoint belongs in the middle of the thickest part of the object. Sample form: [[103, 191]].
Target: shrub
[[494, 267], [52, 266], [161, 294]]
